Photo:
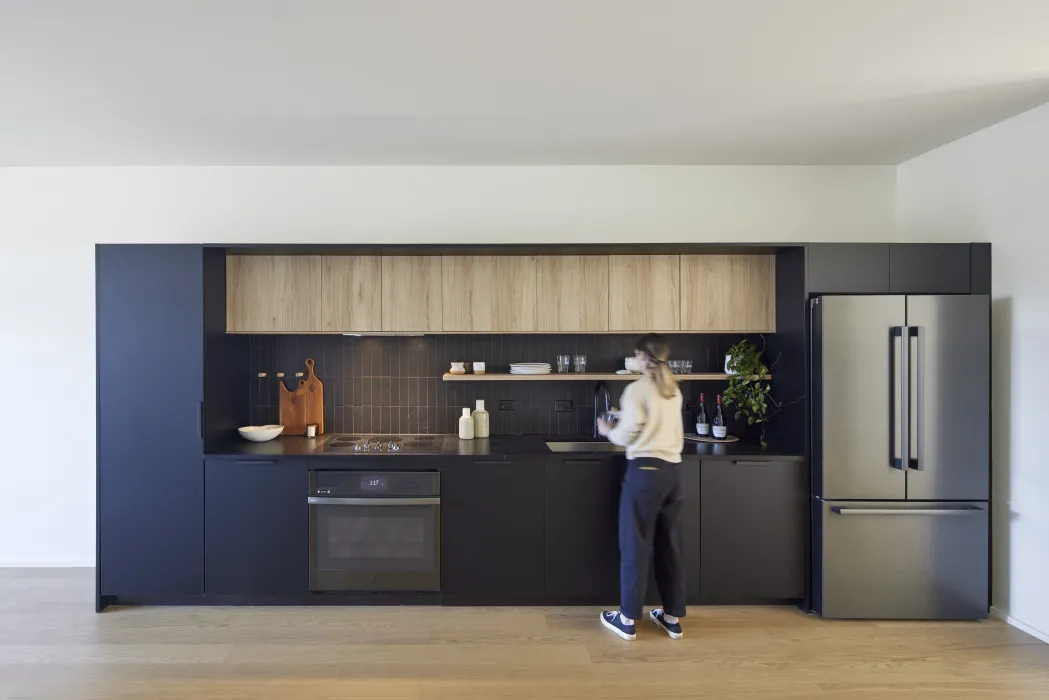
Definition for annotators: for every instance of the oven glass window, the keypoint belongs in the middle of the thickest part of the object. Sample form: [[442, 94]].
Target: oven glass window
[[376, 539]]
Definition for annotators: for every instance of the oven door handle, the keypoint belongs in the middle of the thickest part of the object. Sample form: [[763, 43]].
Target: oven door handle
[[322, 501]]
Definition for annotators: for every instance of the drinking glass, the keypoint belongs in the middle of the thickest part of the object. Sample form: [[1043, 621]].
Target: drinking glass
[[580, 364], [686, 367], [563, 363]]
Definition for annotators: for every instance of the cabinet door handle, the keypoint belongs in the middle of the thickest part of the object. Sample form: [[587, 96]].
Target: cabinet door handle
[[200, 420], [491, 461], [584, 461], [753, 463], [256, 461]]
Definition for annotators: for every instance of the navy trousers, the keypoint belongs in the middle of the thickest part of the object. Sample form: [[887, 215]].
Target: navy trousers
[[650, 533]]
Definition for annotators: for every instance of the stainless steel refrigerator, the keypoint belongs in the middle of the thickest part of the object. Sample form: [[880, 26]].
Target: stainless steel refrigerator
[[901, 456]]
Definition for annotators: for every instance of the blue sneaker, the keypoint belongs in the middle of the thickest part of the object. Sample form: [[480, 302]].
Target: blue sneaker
[[614, 622], [674, 630]]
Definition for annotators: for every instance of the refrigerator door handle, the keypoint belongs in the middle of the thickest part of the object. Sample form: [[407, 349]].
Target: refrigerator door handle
[[897, 404], [915, 396], [843, 510]]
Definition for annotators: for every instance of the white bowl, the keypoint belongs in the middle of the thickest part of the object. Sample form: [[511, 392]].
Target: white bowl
[[260, 433]]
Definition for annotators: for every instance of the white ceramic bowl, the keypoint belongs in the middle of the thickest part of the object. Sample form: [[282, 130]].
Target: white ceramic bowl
[[260, 433], [633, 364]]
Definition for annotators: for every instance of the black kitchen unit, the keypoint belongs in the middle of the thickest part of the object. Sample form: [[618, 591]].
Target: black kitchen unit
[[189, 513]]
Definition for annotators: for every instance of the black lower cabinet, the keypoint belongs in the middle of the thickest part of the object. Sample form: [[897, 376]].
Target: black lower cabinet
[[754, 533], [492, 532], [256, 527], [582, 545]]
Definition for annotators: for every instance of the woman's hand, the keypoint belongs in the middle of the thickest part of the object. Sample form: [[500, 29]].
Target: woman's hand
[[604, 427]]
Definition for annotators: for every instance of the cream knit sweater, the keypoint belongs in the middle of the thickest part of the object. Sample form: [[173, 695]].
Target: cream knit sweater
[[649, 425]]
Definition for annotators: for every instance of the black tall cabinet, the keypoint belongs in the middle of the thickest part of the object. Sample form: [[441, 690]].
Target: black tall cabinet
[[150, 369]]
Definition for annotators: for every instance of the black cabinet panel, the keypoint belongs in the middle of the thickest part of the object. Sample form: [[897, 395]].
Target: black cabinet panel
[[256, 527], [929, 268], [492, 531], [150, 367], [754, 533], [582, 526], [980, 265], [847, 268]]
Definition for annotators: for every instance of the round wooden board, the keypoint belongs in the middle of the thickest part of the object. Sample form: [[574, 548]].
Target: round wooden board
[[713, 441]]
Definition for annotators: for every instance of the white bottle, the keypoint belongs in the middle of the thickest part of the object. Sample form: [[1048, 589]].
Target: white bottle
[[481, 425], [466, 426]]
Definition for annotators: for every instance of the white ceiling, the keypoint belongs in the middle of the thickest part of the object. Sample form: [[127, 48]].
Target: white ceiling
[[113, 82]]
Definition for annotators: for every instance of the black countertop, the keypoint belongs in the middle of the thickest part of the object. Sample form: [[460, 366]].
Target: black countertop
[[494, 447]]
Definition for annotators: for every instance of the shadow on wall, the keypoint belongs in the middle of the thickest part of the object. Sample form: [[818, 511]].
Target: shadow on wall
[[1001, 447]]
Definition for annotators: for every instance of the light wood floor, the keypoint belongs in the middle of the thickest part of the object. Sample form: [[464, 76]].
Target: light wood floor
[[52, 645]]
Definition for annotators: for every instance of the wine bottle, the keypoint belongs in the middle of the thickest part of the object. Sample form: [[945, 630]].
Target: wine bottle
[[720, 429], [702, 420]]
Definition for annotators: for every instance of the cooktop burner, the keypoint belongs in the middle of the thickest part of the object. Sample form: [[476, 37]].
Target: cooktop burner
[[414, 444]]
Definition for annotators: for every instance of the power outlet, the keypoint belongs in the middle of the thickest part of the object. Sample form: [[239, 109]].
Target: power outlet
[[507, 405], [563, 406]]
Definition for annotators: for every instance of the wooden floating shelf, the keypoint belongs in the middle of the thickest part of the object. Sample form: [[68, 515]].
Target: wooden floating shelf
[[572, 376]]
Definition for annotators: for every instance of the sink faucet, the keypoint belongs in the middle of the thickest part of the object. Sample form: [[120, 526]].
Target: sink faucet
[[601, 389]]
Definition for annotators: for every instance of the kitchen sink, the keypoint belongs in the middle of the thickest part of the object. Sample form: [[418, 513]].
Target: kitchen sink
[[584, 446]]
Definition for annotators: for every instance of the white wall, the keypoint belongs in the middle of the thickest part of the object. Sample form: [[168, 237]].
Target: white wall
[[994, 186], [50, 220]]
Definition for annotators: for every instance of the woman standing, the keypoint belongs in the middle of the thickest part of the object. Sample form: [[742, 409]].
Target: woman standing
[[650, 427]]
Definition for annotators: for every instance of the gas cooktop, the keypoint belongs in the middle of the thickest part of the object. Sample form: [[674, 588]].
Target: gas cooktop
[[383, 444]]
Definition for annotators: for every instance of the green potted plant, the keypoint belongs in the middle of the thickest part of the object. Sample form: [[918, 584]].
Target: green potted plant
[[748, 388]]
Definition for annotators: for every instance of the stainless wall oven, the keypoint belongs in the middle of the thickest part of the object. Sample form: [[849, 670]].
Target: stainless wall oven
[[375, 531]]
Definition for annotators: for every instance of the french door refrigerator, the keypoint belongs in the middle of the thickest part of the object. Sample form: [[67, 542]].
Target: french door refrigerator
[[901, 456]]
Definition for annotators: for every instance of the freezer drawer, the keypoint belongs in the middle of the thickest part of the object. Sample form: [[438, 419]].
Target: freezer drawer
[[901, 560]]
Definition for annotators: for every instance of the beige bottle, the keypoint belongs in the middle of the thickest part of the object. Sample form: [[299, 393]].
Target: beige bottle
[[466, 426], [481, 425]]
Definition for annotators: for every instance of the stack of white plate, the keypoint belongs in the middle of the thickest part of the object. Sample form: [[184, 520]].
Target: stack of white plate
[[529, 368]]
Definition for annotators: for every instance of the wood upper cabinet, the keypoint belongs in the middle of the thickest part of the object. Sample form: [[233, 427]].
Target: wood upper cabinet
[[411, 293], [644, 292], [352, 293], [273, 293], [572, 293], [489, 293], [728, 293]]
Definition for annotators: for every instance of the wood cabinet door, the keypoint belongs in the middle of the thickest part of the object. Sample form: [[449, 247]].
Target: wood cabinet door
[[352, 293], [644, 292], [273, 293], [572, 293], [489, 293], [728, 293], [411, 293]]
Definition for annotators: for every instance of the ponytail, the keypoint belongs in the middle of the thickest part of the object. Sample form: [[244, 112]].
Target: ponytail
[[657, 351], [665, 380]]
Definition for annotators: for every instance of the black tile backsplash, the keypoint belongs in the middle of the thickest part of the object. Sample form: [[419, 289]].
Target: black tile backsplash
[[394, 385]]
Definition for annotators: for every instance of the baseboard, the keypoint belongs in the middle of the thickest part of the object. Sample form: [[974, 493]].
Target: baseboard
[[1022, 626]]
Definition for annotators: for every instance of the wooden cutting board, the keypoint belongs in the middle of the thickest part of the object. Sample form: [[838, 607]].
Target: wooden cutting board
[[293, 409], [304, 406], [314, 397]]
